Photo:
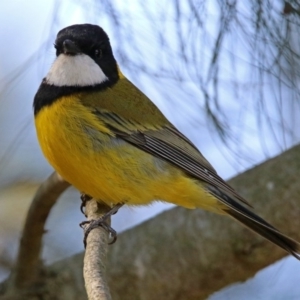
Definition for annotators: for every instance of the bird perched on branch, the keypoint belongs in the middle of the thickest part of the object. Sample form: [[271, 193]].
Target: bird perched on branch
[[107, 139]]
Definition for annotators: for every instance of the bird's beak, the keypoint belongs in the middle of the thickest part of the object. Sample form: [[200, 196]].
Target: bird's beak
[[70, 48]]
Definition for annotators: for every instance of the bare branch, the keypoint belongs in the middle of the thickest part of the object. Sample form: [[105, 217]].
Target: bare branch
[[190, 254], [28, 261], [94, 270]]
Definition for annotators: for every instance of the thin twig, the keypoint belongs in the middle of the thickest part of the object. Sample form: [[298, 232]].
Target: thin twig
[[27, 265], [94, 270]]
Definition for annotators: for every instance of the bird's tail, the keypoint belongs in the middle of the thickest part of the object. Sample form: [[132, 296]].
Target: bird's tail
[[257, 224]]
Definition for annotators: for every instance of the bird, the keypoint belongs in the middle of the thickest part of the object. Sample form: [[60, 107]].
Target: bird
[[112, 143]]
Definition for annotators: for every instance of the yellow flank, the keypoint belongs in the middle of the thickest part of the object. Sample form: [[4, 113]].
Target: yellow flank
[[90, 157]]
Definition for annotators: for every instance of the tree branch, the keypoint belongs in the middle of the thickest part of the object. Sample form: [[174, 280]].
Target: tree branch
[[25, 272], [189, 254], [94, 270]]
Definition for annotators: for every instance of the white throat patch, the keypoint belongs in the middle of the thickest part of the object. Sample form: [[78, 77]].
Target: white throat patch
[[77, 70]]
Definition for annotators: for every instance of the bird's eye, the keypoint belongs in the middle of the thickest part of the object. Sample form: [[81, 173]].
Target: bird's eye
[[98, 53]]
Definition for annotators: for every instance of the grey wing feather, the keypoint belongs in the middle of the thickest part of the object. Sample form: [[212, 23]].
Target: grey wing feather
[[169, 144]]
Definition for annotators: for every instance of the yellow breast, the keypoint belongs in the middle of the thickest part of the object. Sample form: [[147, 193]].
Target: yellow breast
[[86, 154]]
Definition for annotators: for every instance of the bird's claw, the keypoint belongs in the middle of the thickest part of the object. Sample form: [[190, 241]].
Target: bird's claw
[[84, 199], [101, 222]]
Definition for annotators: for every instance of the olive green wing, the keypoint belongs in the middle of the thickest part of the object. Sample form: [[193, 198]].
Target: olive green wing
[[140, 123], [167, 143]]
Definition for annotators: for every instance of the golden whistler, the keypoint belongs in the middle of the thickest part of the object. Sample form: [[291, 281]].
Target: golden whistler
[[107, 139]]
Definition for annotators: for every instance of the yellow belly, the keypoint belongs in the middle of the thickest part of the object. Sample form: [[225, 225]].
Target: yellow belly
[[87, 155]]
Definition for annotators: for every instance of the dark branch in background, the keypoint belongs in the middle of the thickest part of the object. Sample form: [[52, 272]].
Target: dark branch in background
[[289, 9], [190, 254], [25, 272], [28, 275]]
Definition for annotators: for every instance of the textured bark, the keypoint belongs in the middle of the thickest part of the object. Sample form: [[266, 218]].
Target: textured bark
[[189, 254], [94, 266], [28, 263], [183, 254]]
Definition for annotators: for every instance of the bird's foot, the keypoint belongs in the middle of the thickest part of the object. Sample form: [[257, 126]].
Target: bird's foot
[[98, 223], [101, 222], [84, 199]]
